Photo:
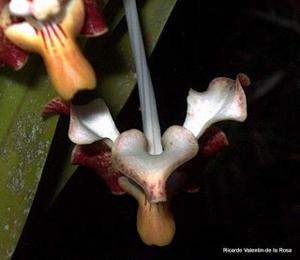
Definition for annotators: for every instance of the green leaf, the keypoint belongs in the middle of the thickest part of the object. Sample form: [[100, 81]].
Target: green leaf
[[25, 140], [114, 62]]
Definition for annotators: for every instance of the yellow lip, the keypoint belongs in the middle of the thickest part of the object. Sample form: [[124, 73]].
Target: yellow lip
[[155, 221], [68, 69]]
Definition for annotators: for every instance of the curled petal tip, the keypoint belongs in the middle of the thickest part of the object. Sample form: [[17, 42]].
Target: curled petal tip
[[223, 100], [244, 80], [56, 106], [94, 21]]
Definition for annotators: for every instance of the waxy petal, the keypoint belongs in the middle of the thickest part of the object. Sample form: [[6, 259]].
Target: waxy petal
[[68, 69], [130, 156], [188, 177], [56, 106], [155, 221], [94, 21], [10, 55], [92, 122], [210, 144], [98, 157], [224, 100]]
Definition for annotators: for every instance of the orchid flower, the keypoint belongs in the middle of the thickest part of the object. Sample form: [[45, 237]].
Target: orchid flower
[[150, 173], [149, 178], [147, 162], [49, 27], [155, 222]]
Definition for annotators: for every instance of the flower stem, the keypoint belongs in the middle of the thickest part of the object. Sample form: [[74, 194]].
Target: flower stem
[[150, 119]]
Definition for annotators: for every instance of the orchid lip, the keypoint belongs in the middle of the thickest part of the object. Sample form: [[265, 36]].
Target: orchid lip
[[155, 222], [54, 40], [53, 13]]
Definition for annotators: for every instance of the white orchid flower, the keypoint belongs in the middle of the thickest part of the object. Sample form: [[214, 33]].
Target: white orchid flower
[[145, 158]]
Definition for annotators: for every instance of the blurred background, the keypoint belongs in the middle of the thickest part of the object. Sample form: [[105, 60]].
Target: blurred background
[[249, 195]]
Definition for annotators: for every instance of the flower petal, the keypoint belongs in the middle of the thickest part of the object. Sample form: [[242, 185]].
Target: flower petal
[[155, 221], [224, 100], [188, 177], [98, 157], [210, 144], [68, 69], [91, 122], [130, 156], [10, 55], [94, 21], [56, 106]]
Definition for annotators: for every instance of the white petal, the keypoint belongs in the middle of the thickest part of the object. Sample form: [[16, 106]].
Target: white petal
[[224, 100], [130, 156], [91, 122]]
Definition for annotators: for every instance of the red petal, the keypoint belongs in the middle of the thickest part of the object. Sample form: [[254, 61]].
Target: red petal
[[94, 24], [98, 157], [56, 106], [11, 55], [212, 142], [244, 79], [2, 3]]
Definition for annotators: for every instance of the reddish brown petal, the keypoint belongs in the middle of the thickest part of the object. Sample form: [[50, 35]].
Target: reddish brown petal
[[98, 157], [244, 79], [2, 3], [11, 55], [56, 106], [212, 142], [94, 24]]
